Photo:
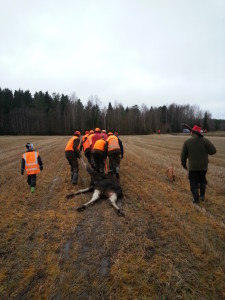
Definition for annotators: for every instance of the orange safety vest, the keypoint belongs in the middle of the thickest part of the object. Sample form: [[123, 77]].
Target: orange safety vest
[[69, 146], [90, 138], [86, 142], [113, 143], [99, 145], [31, 162]]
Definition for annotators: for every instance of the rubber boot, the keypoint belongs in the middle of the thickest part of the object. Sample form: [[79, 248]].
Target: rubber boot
[[75, 177], [195, 194], [110, 172], [117, 172], [32, 189], [202, 191]]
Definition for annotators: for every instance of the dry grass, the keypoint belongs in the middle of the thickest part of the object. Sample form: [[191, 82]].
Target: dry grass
[[165, 247]]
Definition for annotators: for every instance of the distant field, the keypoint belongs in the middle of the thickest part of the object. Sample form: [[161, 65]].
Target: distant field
[[164, 248]]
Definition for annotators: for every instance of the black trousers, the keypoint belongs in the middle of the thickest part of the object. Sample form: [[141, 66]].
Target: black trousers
[[88, 155], [31, 180], [72, 160], [98, 161], [114, 161], [197, 178]]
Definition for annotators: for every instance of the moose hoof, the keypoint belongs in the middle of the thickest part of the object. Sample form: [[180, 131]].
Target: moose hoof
[[69, 196], [121, 213], [81, 208]]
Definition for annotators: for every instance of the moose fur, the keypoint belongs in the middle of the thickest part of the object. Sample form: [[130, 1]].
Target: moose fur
[[102, 186]]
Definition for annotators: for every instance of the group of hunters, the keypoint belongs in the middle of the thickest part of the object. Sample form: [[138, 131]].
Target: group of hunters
[[97, 145]]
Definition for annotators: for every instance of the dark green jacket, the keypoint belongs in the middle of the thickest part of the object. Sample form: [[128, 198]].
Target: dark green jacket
[[196, 150]]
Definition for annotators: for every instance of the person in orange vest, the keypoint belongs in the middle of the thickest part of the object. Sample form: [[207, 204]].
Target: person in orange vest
[[104, 133], [86, 146], [113, 154], [96, 136], [99, 154], [72, 153], [32, 164], [120, 143], [91, 134]]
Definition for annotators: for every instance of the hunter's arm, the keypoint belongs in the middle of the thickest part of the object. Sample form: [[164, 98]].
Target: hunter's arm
[[184, 156], [211, 149], [75, 147]]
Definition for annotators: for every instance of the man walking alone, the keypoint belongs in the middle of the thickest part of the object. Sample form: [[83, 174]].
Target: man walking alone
[[32, 164], [196, 150]]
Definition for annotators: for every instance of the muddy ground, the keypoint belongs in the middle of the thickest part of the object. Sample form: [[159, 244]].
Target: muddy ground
[[164, 248]]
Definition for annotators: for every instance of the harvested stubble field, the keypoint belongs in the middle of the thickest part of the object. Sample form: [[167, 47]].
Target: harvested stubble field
[[164, 248]]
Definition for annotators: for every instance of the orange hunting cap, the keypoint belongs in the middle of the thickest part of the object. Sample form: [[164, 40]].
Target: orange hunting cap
[[110, 133], [77, 132], [91, 131], [97, 129]]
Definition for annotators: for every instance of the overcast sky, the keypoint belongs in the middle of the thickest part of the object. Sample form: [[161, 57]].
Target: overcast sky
[[155, 52]]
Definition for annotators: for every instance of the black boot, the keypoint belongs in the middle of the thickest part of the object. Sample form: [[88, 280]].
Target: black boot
[[195, 194], [110, 172], [75, 177], [202, 191]]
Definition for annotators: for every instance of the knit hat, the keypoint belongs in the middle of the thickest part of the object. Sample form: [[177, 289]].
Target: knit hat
[[30, 147]]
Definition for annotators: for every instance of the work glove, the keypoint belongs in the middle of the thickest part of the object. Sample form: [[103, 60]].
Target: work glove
[[41, 168], [22, 172]]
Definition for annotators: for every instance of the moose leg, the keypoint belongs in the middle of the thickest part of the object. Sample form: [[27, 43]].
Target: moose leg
[[95, 197], [89, 189], [113, 199]]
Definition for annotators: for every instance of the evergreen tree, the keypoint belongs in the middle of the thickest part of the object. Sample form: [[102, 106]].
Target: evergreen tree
[[22, 113]]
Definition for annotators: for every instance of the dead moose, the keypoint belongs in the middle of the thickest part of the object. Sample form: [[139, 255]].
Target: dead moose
[[103, 186]]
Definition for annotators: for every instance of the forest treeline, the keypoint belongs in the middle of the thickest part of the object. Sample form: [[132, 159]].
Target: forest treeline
[[22, 113]]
